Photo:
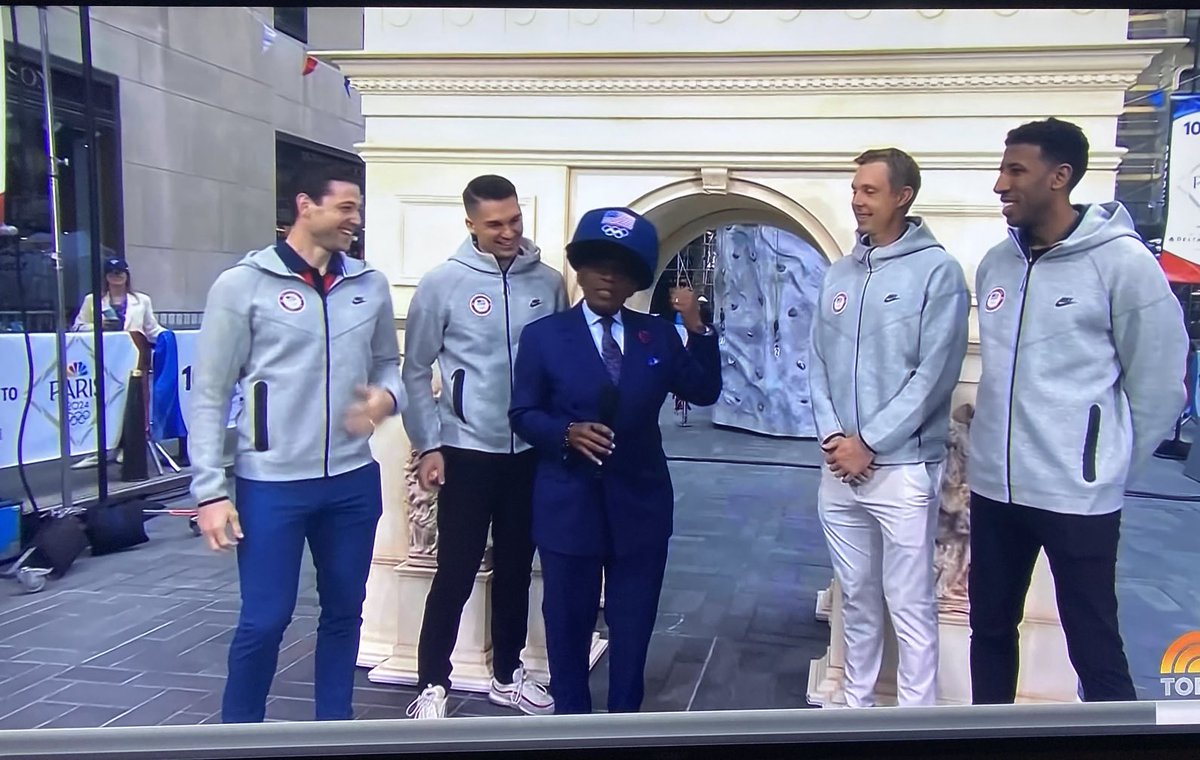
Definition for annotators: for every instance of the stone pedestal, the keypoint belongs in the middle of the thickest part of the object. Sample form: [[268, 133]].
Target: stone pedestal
[[380, 629], [472, 657], [1046, 674]]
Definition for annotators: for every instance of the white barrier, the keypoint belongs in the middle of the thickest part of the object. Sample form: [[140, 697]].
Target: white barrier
[[41, 426]]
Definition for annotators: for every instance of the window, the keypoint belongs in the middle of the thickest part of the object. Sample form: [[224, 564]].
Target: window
[[292, 21], [27, 202]]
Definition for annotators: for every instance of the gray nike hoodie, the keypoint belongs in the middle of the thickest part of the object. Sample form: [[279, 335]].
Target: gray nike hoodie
[[888, 343], [467, 315], [299, 359], [1084, 357]]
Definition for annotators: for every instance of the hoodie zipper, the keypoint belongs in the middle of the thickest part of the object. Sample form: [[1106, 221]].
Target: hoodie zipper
[[1012, 380], [512, 442], [328, 370], [858, 338]]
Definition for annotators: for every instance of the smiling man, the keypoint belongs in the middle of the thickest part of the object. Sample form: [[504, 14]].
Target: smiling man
[[1084, 353], [888, 343], [304, 329], [590, 385], [468, 315]]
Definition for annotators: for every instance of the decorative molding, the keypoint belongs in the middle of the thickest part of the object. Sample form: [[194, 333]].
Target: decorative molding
[[409, 272], [521, 16], [858, 15], [796, 161], [715, 180], [931, 12], [742, 85], [397, 16], [718, 17], [587, 18], [957, 209], [1043, 59], [649, 16], [786, 16], [459, 16]]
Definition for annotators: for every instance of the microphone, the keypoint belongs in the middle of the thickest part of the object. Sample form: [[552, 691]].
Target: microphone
[[609, 399]]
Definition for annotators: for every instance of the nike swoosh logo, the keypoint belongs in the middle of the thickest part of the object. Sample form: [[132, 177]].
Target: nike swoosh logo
[[1065, 301], [535, 303], [891, 297], [358, 300]]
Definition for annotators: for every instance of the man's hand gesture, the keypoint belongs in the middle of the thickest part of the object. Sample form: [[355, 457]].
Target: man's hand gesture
[[849, 459], [591, 439], [216, 521]]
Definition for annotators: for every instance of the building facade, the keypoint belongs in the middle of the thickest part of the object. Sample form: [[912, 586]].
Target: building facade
[[203, 113]]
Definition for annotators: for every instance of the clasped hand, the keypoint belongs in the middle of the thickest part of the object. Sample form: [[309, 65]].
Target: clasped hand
[[849, 459], [592, 440]]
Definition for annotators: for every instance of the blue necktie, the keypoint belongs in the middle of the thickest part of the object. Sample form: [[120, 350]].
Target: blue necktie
[[610, 352]]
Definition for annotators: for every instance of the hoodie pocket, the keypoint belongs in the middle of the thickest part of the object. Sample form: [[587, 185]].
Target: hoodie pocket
[[1089, 444], [261, 438], [456, 393]]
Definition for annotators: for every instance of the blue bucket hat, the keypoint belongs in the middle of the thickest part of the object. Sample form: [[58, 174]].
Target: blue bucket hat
[[620, 233]]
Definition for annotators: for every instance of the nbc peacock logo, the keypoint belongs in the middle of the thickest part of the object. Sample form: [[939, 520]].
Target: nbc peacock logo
[[77, 369], [1181, 666]]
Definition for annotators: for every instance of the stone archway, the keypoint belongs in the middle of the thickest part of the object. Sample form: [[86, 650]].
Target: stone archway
[[774, 253], [683, 210]]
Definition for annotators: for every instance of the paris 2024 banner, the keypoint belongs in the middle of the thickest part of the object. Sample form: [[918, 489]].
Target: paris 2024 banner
[[1182, 237]]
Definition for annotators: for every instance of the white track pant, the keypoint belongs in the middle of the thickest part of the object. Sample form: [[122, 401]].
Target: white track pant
[[881, 539]]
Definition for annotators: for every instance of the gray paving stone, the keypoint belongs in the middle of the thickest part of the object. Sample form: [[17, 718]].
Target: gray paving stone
[[283, 708], [34, 715], [125, 696], [16, 699], [189, 681], [99, 675], [184, 718], [84, 716]]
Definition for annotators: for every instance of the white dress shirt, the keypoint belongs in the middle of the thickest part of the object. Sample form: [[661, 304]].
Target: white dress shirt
[[597, 329]]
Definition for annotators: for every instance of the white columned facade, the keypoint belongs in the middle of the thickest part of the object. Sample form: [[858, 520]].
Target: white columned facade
[[699, 118]]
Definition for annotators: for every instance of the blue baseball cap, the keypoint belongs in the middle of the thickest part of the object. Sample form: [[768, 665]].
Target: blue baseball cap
[[620, 233], [115, 265]]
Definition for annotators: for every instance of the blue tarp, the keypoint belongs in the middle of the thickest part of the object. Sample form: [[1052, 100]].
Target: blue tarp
[[166, 417]]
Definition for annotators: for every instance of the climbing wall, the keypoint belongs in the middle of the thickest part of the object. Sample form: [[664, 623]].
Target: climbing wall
[[766, 290]]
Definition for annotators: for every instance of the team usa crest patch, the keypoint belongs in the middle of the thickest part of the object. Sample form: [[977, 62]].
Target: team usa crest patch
[[616, 224], [481, 305], [839, 303], [995, 299], [291, 301]]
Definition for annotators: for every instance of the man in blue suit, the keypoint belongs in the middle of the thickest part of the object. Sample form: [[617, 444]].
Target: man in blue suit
[[588, 386]]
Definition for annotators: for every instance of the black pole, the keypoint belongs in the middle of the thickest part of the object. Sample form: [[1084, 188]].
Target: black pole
[[93, 190]]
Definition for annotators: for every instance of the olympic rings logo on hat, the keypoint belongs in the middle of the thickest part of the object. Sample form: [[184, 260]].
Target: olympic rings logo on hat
[[614, 232]]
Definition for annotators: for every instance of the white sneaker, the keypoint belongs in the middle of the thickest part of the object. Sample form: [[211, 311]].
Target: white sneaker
[[431, 704], [524, 694]]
